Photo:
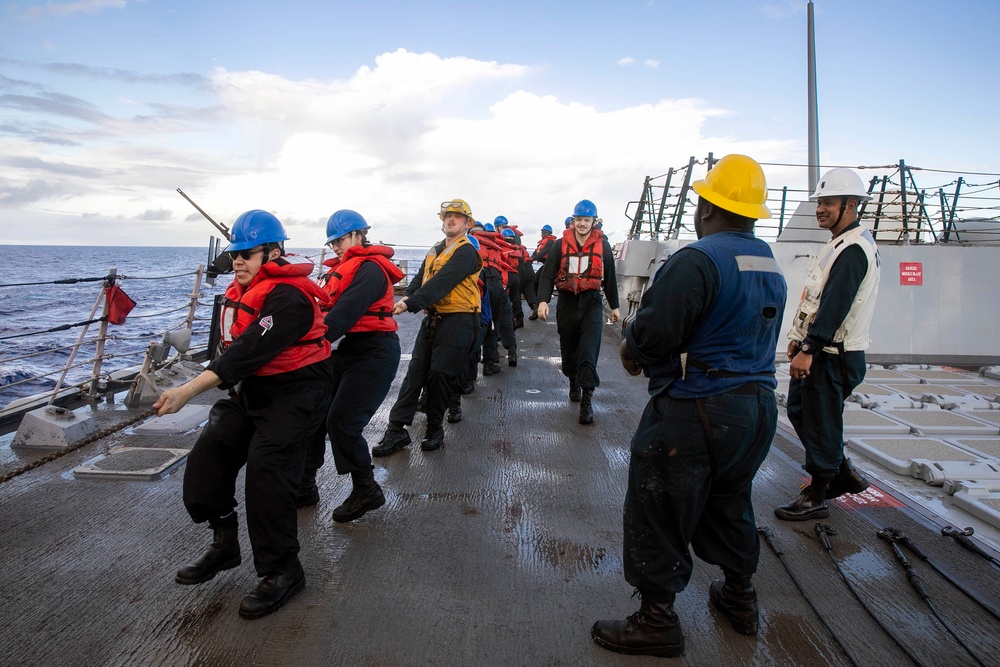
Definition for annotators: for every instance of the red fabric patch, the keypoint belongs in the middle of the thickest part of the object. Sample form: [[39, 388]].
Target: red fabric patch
[[120, 304]]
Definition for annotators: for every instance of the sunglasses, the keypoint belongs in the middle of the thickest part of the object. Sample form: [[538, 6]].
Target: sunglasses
[[245, 254]]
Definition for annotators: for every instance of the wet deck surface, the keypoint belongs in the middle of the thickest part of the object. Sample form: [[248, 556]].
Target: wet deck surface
[[502, 548]]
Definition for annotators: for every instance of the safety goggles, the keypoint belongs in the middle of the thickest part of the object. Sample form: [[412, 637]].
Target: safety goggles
[[245, 254], [336, 242], [455, 206]]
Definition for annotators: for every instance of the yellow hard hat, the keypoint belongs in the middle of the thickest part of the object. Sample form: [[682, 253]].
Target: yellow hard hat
[[455, 206], [736, 184]]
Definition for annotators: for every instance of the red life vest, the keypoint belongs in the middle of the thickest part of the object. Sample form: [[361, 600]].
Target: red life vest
[[515, 256], [242, 305], [492, 253], [379, 316], [581, 269], [544, 242]]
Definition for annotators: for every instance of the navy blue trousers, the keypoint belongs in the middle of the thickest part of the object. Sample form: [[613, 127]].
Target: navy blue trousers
[[580, 321], [683, 489]]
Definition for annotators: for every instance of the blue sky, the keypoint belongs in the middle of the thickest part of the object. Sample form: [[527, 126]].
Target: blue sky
[[390, 107]]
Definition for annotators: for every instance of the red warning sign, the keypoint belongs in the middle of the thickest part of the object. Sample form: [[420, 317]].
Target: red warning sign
[[872, 497], [911, 273]]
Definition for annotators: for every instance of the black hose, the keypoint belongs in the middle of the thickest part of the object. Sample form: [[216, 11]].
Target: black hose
[[769, 539], [918, 586], [824, 532]]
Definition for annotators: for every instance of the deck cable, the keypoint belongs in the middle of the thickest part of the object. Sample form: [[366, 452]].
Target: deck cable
[[77, 445], [768, 536], [898, 536], [891, 536], [962, 537], [824, 532]]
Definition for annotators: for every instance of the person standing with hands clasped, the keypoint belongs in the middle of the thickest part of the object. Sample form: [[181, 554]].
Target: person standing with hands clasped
[[707, 426], [829, 336], [579, 265], [275, 364]]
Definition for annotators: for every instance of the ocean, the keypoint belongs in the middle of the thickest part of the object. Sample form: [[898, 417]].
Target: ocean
[[159, 280]]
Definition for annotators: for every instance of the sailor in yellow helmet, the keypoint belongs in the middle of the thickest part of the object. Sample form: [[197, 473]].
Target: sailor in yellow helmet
[[446, 289], [707, 426]]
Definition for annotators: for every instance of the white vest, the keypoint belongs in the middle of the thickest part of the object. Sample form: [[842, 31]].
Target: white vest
[[854, 331]]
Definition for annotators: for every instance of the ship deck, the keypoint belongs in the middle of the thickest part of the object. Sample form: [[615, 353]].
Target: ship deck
[[502, 548]]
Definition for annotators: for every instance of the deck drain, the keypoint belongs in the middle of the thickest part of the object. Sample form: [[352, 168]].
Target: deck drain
[[135, 463]]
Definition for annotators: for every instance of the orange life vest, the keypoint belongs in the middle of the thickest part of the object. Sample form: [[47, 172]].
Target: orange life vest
[[581, 269], [241, 306], [493, 253], [341, 274]]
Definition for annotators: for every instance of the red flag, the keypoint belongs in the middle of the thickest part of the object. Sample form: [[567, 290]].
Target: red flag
[[120, 304]]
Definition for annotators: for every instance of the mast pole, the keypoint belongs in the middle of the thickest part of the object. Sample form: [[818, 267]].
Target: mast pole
[[813, 114]]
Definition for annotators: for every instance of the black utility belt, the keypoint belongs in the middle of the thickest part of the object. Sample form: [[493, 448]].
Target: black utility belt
[[749, 388], [443, 315], [370, 334]]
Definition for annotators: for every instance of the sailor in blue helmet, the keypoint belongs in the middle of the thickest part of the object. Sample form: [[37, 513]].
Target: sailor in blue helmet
[[540, 254], [709, 423], [580, 265], [446, 288], [275, 364], [359, 280]]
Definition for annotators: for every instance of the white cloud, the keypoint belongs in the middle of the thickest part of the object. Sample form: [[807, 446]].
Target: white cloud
[[627, 60], [651, 63], [392, 142]]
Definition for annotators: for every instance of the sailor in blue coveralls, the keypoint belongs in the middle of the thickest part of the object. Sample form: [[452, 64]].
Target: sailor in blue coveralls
[[707, 427]]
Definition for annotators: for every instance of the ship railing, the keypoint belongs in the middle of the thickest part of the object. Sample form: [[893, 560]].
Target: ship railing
[[900, 211], [100, 377]]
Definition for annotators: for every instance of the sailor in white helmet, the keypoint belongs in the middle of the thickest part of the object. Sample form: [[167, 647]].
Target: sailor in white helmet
[[829, 336]]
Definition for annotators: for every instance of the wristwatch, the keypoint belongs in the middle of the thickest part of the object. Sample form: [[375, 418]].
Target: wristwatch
[[806, 348]]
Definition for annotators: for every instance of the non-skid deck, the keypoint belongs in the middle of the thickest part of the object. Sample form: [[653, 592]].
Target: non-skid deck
[[502, 548]]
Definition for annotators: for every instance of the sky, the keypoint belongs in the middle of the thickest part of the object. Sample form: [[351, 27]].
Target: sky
[[390, 107]]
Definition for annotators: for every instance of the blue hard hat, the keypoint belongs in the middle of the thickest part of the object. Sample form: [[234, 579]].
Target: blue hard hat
[[499, 220], [342, 223], [508, 232], [585, 208], [473, 240], [569, 221], [547, 228], [489, 227], [255, 228]]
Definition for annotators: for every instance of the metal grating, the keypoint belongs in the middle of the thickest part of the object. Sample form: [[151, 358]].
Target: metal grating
[[135, 463], [988, 447], [934, 421]]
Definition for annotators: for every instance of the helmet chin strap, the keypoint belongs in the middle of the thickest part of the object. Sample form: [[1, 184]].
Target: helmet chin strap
[[843, 207]]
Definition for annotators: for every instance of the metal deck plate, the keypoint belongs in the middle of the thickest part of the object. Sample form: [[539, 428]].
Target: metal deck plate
[[918, 391], [884, 376], [858, 421], [985, 447], [941, 375], [980, 501], [988, 416], [136, 463], [185, 419], [897, 454], [932, 420]]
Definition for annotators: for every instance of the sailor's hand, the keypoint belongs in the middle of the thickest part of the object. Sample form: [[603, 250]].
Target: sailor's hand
[[800, 366], [793, 349], [171, 400], [614, 315], [543, 311], [400, 307], [628, 363]]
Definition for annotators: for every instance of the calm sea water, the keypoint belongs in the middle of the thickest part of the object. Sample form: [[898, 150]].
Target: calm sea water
[[160, 280]]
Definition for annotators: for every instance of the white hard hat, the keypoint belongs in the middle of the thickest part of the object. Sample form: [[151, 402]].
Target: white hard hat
[[841, 182]]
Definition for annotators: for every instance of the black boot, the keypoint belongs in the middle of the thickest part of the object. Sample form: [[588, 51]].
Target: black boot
[[366, 495], [847, 480], [222, 554], [653, 630], [811, 503], [519, 322], [586, 409], [491, 367], [575, 393], [308, 491], [274, 590], [395, 438], [512, 357], [455, 409], [534, 313], [736, 599], [433, 438]]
